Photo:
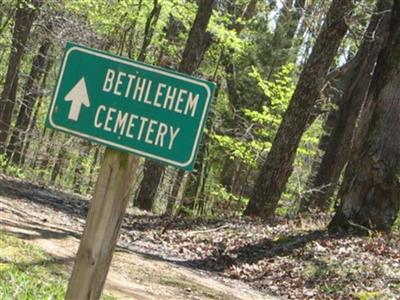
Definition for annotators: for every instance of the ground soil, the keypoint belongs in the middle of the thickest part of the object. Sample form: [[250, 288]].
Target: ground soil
[[236, 258], [54, 220]]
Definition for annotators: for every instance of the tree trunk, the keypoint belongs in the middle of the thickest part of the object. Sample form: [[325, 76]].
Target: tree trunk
[[59, 162], [24, 18], [44, 161], [370, 193], [152, 177], [152, 171], [79, 168], [192, 55], [340, 141], [228, 172], [32, 124], [92, 168], [284, 35], [31, 94], [149, 29], [191, 58], [278, 166], [227, 59]]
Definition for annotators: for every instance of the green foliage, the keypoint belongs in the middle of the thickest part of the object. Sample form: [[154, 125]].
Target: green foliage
[[366, 295], [224, 203], [262, 125], [11, 169], [25, 272]]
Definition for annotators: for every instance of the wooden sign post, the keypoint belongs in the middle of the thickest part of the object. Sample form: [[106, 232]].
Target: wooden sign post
[[133, 107], [104, 220]]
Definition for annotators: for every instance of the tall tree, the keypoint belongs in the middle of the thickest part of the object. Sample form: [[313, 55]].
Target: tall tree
[[149, 29], [152, 171], [278, 166], [370, 193], [281, 49], [30, 95], [340, 141], [24, 17], [28, 134], [196, 45], [201, 168]]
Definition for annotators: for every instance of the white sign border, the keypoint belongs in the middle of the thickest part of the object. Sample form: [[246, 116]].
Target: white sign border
[[118, 146]]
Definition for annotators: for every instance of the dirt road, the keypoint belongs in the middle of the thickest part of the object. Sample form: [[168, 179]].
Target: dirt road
[[39, 217]]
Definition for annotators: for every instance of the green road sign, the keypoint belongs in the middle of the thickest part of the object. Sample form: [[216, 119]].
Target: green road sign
[[131, 106]]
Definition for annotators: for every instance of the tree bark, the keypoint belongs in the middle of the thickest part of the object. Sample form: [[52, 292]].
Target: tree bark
[[284, 35], [152, 171], [227, 60], [149, 29], [84, 148], [58, 164], [370, 193], [152, 177], [196, 45], [31, 94], [278, 166], [24, 18], [340, 141], [32, 124]]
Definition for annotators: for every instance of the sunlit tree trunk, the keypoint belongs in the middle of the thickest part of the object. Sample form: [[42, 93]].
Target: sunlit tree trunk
[[59, 162], [370, 193], [31, 94], [149, 29], [340, 141], [24, 17], [32, 124], [197, 43], [281, 48], [278, 166]]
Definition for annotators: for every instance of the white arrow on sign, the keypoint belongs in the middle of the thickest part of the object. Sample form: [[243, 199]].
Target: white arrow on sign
[[78, 95]]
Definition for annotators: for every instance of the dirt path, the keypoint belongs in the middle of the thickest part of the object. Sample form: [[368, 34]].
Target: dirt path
[[132, 276]]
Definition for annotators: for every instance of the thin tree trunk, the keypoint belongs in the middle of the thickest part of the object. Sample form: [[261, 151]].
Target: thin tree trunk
[[26, 142], [191, 58], [31, 94], [149, 29], [152, 171], [284, 36], [24, 18], [44, 162], [79, 168], [227, 59], [370, 193], [278, 166], [59, 162], [340, 141], [92, 168]]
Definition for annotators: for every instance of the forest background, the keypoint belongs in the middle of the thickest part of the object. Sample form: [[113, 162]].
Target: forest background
[[304, 125]]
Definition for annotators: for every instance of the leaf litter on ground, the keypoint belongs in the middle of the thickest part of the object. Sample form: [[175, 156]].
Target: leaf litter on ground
[[293, 258]]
